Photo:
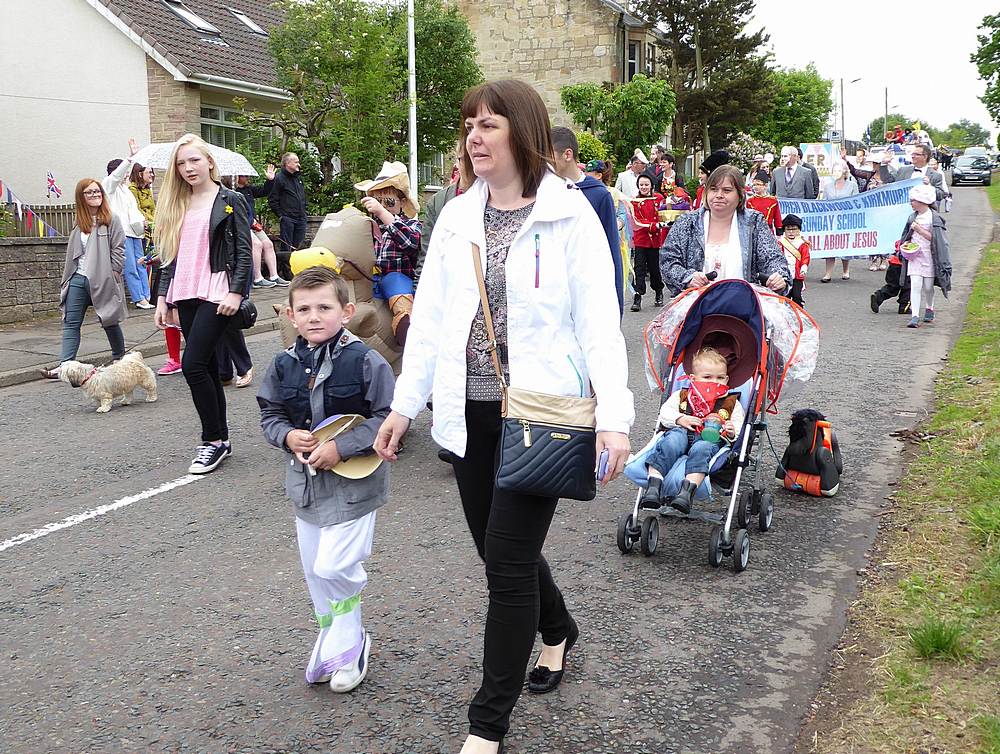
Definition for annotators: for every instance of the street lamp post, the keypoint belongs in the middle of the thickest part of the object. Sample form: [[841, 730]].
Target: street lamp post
[[412, 65], [843, 119]]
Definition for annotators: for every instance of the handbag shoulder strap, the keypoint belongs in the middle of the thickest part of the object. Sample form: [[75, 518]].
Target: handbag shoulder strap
[[491, 345]]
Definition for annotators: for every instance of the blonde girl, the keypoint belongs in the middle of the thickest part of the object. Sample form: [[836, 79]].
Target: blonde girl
[[202, 236]]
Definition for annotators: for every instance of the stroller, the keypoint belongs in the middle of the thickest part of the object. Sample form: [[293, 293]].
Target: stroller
[[765, 339]]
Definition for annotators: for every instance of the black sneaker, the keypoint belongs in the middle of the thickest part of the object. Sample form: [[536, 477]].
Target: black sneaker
[[905, 308], [636, 302], [208, 458], [875, 303], [659, 299]]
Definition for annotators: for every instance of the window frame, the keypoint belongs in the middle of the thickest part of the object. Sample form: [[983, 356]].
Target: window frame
[[632, 59], [252, 25], [192, 19]]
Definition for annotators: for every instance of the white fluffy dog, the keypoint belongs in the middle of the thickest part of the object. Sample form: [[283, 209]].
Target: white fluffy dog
[[104, 384]]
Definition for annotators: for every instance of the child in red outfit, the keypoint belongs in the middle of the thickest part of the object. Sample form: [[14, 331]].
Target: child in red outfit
[[647, 238], [764, 203], [796, 249]]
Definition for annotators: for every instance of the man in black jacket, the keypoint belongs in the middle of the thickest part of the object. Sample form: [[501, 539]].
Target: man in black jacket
[[288, 202]]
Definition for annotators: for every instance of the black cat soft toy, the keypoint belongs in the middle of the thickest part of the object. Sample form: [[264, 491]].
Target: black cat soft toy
[[812, 462]]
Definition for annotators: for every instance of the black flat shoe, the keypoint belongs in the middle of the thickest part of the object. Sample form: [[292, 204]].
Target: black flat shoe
[[541, 680]]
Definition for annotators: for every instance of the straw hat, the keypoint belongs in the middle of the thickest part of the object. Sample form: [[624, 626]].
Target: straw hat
[[393, 175], [352, 468]]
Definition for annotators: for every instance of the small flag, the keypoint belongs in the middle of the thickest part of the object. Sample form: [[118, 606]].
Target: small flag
[[41, 229], [52, 232], [51, 187], [30, 222]]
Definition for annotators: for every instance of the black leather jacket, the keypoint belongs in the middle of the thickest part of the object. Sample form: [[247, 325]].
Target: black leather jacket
[[229, 244]]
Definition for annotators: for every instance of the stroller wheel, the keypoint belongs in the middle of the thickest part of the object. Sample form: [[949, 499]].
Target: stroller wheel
[[650, 536], [766, 513], [625, 539], [715, 547], [743, 509], [741, 550]]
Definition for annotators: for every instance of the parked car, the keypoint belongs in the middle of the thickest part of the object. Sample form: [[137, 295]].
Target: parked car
[[971, 169]]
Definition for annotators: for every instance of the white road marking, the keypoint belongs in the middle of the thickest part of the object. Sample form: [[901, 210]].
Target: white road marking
[[100, 510]]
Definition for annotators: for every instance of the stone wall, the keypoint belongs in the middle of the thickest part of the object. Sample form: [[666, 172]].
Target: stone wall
[[30, 272], [174, 106], [550, 43]]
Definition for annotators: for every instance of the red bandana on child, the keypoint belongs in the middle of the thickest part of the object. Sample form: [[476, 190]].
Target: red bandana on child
[[703, 395]]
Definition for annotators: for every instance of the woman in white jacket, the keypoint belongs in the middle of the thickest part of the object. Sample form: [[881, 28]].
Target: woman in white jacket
[[551, 289]]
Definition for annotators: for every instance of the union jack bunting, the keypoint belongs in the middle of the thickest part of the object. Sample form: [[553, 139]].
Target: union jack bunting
[[51, 187]]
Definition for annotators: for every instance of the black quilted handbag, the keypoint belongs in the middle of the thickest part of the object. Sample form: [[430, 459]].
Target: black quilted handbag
[[245, 316], [548, 443]]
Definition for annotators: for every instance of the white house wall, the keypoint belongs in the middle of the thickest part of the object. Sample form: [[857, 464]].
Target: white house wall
[[72, 91]]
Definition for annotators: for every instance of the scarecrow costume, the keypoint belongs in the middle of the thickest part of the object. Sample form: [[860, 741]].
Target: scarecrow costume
[[397, 246]]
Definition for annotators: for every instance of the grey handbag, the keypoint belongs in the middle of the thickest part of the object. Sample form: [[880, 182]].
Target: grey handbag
[[548, 443]]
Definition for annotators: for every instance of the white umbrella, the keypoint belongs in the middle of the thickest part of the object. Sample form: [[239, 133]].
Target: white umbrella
[[157, 155]]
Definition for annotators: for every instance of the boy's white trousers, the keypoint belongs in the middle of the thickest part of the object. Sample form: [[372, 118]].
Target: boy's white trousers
[[333, 562]]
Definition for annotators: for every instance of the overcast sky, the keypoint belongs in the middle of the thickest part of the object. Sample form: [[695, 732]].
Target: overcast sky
[[919, 49]]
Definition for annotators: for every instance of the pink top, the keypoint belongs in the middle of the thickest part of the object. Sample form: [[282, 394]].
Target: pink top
[[921, 261], [193, 276]]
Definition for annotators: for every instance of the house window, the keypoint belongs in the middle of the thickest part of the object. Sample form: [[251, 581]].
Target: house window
[[248, 22], [221, 126], [433, 172], [191, 18], [633, 61], [650, 60]]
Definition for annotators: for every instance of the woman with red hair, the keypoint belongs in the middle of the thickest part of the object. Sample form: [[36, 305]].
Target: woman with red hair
[[92, 275]]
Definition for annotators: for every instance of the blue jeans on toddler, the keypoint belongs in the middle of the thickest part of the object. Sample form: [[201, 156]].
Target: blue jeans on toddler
[[678, 442]]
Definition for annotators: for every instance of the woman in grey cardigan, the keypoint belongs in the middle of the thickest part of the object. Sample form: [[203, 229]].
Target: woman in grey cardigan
[[92, 275], [722, 237]]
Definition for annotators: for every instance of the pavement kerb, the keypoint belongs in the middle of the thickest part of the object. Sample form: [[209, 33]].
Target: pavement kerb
[[150, 348]]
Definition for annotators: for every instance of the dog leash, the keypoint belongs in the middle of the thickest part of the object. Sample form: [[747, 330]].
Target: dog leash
[[130, 348]]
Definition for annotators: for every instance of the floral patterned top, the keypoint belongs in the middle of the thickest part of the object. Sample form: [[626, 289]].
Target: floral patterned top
[[481, 383]]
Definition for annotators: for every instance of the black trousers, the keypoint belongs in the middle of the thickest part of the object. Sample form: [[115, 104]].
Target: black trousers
[[647, 260], [796, 293], [509, 530], [232, 352], [895, 287], [203, 332], [293, 232]]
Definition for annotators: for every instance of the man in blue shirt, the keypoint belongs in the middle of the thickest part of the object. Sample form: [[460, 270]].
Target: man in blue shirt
[[567, 166]]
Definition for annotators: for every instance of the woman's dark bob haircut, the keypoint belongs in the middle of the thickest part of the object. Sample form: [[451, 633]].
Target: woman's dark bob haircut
[[732, 174], [530, 130]]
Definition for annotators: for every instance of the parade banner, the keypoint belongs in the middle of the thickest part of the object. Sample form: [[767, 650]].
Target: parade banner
[[820, 155], [859, 226]]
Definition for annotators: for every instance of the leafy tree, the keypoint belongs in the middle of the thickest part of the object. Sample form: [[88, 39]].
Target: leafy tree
[[344, 64], [877, 126], [591, 148], [446, 69], [744, 147], [987, 60], [622, 116], [720, 75], [964, 133], [799, 109]]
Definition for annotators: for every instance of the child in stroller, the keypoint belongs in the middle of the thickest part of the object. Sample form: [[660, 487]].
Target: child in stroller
[[698, 419]]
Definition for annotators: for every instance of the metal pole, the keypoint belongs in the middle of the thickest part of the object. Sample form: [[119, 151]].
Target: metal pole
[[843, 128], [885, 122], [412, 64]]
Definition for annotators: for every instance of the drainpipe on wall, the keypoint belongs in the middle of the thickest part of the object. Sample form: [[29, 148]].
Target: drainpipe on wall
[[624, 72]]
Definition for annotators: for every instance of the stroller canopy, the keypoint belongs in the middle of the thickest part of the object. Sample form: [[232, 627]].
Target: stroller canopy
[[738, 319]]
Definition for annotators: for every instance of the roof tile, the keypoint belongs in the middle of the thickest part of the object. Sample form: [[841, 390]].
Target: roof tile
[[246, 56]]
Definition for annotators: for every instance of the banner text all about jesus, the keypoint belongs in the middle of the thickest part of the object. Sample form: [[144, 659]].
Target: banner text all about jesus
[[861, 225]]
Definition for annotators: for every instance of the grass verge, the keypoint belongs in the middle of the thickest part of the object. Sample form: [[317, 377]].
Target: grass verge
[[930, 614]]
